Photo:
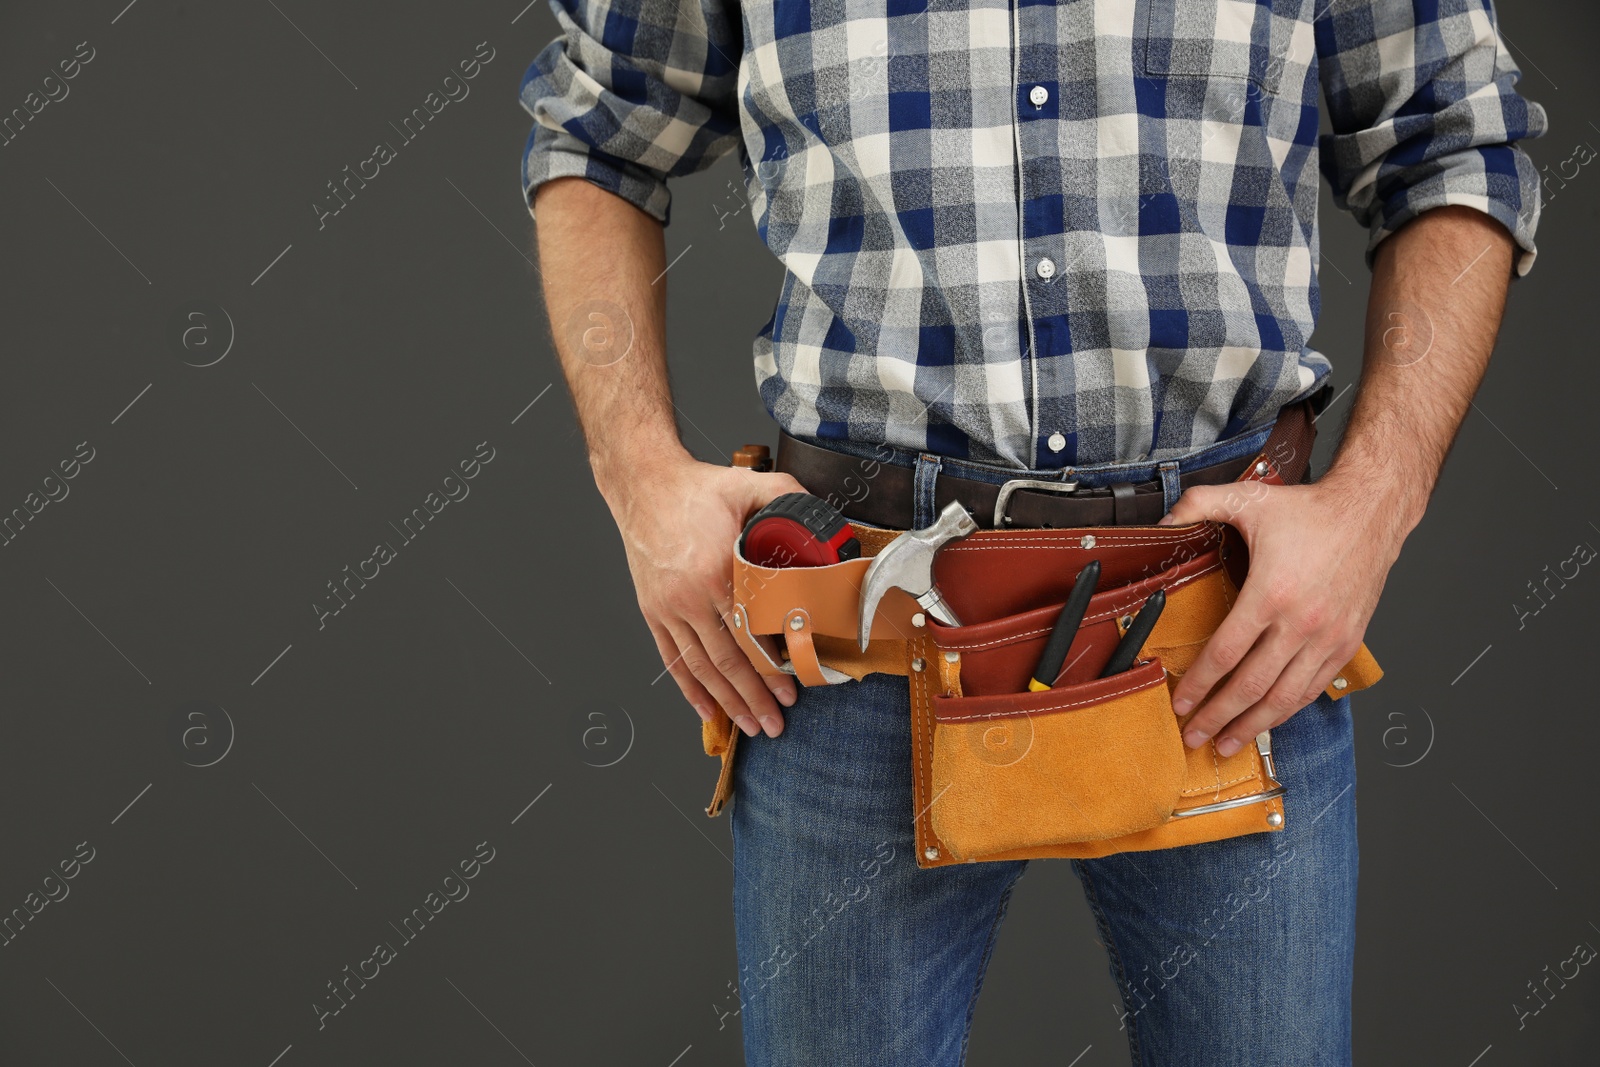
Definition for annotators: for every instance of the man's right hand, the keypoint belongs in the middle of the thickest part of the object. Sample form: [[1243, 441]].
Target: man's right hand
[[679, 523], [679, 518]]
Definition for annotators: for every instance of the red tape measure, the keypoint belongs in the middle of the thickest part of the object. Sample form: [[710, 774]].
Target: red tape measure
[[798, 530]]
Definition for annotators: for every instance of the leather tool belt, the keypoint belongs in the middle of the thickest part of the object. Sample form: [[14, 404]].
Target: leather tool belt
[[1089, 767], [872, 491]]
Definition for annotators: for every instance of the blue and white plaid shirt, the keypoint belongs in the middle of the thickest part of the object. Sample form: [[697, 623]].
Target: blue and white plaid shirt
[[1041, 234]]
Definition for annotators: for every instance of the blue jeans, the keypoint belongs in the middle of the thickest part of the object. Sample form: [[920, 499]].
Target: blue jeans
[[1237, 952]]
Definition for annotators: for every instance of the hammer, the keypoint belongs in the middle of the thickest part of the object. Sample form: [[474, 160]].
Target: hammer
[[907, 563]]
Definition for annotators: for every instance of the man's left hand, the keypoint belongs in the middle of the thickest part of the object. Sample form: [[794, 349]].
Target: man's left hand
[[1319, 555]]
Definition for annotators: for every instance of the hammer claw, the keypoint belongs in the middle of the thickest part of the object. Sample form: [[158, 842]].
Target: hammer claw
[[907, 563]]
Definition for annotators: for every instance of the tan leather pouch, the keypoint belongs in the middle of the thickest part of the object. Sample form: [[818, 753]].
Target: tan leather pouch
[[813, 613]]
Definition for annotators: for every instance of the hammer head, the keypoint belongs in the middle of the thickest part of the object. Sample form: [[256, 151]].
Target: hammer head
[[907, 563]]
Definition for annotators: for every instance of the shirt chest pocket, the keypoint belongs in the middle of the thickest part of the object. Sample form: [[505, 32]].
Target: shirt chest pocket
[[1217, 39]]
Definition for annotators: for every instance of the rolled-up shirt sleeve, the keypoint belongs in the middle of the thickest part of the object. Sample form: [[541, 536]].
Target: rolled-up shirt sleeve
[[1424, 112], [632, 93]]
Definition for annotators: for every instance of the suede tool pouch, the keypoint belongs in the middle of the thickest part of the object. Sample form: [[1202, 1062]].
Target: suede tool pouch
[[1090, 766], [1089, 760], [1084, 762]]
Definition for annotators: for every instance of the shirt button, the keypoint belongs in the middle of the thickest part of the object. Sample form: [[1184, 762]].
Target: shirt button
[[1038, 95], [1057, 442], [1046, 268]]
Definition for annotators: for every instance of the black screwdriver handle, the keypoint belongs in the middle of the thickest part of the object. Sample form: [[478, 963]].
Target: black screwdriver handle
[[1066, 628], [1138, 632]]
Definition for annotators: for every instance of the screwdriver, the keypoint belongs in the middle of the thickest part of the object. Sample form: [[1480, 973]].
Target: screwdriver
[[1137, 633], [1066, 628]]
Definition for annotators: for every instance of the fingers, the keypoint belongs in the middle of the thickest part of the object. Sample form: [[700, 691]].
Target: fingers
[[766, 487], [1219, 503], [709, 689], [715, 662], [695, 665], [1330, 667], [683, 579], [678, 658], [672, 657], [782, 686], [1195, 504], [1286, 697], [1224, 651], [729, 661], [1252, 681]]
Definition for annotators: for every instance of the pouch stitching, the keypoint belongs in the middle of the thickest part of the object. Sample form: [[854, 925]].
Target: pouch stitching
[[916, 764], [1177, 584], [1218, 788], [1100, 617], [1076, 542], [919, 727], [1179, 646], [1055, 707]]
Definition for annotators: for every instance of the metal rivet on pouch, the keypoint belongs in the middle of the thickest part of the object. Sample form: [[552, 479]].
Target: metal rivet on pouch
[[1261, 469], [918, 663], [1126, 621], [919, 620], [952, 657], [1087, 541], [1274, 818], [797, 623], [930, 852], [737, 621], [1340, 683]]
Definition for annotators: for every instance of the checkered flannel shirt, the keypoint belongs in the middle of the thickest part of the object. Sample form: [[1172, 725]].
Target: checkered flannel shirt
[[1041, 234]]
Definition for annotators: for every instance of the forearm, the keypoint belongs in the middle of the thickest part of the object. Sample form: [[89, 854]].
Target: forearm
[[1319, 553], [605, 297], [678, 518], [1438, 291]]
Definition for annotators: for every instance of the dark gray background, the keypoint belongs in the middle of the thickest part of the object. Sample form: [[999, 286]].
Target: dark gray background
[[501, 657]]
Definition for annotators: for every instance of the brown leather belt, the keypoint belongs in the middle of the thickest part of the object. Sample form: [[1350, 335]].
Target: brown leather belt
[[881, 493]]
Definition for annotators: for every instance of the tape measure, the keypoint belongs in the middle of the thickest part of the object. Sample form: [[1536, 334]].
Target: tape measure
[[798, 530]]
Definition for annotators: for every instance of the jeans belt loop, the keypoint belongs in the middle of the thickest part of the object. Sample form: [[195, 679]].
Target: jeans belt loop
[[924, 489], [1170, 489]]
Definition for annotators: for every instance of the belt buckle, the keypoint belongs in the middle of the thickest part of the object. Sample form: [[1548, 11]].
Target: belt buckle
[[1010, 487]]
